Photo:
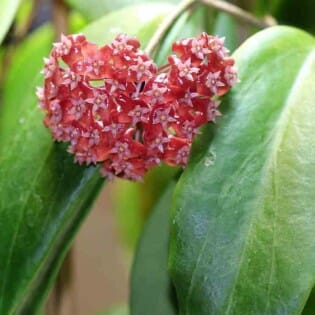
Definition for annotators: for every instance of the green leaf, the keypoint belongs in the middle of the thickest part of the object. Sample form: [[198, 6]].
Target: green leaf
[[119, 310], [127, 195], [8, 9], [22, 17], [22, 77], [264, 7], [188, 24], [309, 308], [94, 9], [151, 290], [225, 26], [172, 35], [44, 196], [130, 20], [242, 238], [139, 198], [76, 22]]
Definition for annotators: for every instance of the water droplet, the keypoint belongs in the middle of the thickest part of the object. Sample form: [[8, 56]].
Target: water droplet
[[210, 158], [173, 221], [22, 120], [208, 162]]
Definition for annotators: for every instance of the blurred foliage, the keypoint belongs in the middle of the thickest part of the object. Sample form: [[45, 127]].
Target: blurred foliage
[[133, 201], [263, 7], [22, 77], [118, 310], [226, 26], [190, 23], [76, 22], [298, 13], [22, 18], [94, 9], [151, 290], [8, 10], [106, 28]]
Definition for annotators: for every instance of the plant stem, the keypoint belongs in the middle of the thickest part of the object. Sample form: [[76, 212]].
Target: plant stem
[[221, 5], [60, 17], [238, 13]]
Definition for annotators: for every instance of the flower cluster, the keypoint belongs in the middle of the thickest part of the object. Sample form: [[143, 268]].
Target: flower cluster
[[115, 107]]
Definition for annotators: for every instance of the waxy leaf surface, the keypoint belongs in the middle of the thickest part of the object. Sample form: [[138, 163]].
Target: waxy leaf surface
[[243, 219]]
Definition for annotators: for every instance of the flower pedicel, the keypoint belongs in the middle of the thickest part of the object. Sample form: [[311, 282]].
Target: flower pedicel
[[116, 107]]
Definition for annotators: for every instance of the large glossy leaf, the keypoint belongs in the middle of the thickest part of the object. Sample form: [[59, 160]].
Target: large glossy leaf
[[243, 231], [44, 197], [8, 9], [151, 290]]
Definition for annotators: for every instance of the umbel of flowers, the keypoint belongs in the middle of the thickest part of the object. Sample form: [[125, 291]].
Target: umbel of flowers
[[116, 107]]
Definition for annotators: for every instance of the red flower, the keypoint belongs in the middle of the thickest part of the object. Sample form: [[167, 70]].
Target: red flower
[[115, 107]]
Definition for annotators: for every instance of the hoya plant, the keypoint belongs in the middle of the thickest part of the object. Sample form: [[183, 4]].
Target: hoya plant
[[221, 93]]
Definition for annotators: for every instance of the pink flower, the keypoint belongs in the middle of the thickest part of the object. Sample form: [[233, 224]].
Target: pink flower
[[213, 81], [116, 108], [63, 47], [139, 114], [50, 67], [78, 108]]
